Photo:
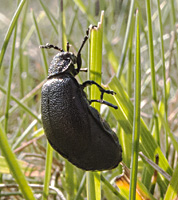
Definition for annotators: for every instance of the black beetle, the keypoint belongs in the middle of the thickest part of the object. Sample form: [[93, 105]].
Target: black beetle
[[73, 127]]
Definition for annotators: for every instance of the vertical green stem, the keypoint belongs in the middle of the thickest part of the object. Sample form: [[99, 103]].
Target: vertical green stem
[[173, 18], [126, 40], [9, 81], [95, 64], [130, 64], [63, 24], [151, 55], [48, 165], [136, 121], [22, 66], [69, 176], [90, 186], [164, 71]]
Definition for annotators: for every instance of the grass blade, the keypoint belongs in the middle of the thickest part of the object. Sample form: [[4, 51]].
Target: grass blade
[[172, 188], [151, 55], [126, 39], [10, 29], [21, 104], [124, 116], [14, 167], [163, 69], [136, 121], [48, 166], [40, 42], [95, 63], [10, 81]]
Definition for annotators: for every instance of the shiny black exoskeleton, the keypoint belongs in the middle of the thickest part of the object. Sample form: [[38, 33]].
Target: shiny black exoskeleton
[[73, 127]]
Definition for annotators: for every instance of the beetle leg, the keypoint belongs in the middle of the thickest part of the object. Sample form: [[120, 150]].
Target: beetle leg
[[79, 60], [103, 102], [102, 90]]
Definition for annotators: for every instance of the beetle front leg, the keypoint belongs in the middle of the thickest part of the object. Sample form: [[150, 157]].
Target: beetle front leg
[[102, 90]]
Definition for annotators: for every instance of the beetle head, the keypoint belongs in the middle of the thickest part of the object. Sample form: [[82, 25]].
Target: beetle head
[[63, 62]]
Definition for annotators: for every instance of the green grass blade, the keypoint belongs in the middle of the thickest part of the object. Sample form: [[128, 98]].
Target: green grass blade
[[21, 102], [113, 189], [126, 39], [10, 29], [151, 56], [22, 64], [173, 186], [84, 10], [24, 134], [136, 120], [95, 64], [81, 187], [130, 60], [165, 124], [91, 194], [48, 14], [14, 167], [48, 165], [110, 53], [40, 42], [124, 116], [173, 19], [69, 180], [10, 81], [63, 25], [163, 69], [22, 105], [4, 168]]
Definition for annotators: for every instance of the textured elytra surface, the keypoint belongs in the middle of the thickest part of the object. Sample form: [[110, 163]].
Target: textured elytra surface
[[74, 128]]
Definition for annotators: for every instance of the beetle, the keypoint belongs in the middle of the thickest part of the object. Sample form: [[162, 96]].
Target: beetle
[[73, 127]]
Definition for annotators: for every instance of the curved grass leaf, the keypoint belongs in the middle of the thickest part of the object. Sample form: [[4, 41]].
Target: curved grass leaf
[[124, 116], [172, 191], [10, 29], [15, 167]]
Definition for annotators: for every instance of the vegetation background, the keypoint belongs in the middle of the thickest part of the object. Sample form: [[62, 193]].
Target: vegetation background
[[139, 62]]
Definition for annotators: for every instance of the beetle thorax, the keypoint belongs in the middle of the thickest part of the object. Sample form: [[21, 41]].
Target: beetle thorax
[[63, 62]]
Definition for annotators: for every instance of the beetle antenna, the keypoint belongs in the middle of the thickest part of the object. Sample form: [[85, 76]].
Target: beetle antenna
[[50, 46], [84, 40]]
